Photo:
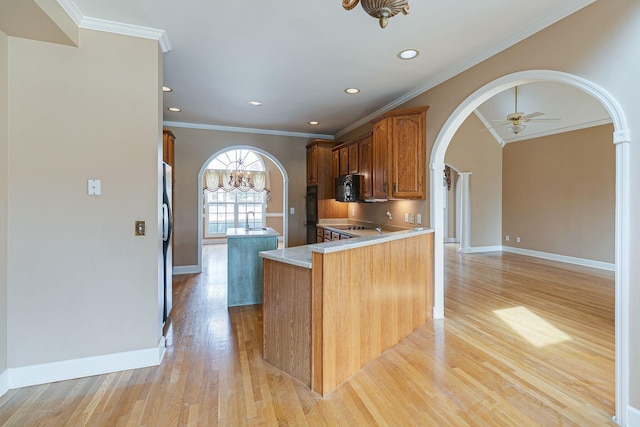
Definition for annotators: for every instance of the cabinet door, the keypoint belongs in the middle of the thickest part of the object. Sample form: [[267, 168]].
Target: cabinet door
[[380, 159], [336, 163], [168, 140], [364, 163], [408, 157], [353, 158], [344, 161], [312, 165]]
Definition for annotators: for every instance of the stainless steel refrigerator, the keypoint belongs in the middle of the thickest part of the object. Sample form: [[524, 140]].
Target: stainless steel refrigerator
[[167, 232]]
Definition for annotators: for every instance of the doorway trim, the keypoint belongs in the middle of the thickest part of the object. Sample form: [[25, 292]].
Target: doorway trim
[[285, 195], [622, 140]]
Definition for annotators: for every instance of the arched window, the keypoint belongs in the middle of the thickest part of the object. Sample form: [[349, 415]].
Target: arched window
[[236, 191]]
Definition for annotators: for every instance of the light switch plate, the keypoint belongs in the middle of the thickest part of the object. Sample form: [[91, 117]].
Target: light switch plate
[[94, 187], [141, 228]]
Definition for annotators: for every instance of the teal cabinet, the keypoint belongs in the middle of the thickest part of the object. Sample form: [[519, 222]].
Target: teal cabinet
[[244, 265]]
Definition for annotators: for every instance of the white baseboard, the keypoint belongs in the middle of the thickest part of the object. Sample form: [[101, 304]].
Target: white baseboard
[[4, 382], [633, 417], [437, 314], [451, 240], [562, 258], [186, 269], [482, 249], [84, 367]]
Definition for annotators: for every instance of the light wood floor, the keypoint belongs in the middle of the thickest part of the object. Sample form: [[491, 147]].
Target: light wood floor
[[525, 342]]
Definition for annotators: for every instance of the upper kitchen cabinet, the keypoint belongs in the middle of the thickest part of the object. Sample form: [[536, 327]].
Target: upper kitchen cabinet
[[398, 154], [345, 159], [354, 157], [168, 140], [319, 167], [364, 165]]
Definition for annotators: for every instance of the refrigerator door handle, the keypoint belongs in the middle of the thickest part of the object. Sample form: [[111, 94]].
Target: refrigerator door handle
[[165, 222]]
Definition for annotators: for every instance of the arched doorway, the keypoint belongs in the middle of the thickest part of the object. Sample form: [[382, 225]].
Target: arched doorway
[[622, 140], [285, 195]]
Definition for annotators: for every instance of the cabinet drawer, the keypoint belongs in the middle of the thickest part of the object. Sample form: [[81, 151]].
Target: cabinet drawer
[[335, 236], [320, 232], [326, 234]]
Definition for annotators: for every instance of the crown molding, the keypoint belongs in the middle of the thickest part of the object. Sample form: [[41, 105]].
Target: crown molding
[[104, 25], [246, 130], [526, 32], [560, 130]]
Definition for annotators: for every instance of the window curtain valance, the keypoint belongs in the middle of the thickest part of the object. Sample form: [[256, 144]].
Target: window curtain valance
[[216, 179]]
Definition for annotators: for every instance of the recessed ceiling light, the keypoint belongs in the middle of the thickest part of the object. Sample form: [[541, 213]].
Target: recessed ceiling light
[[166, 89], [408, 54], [313, 122], [352, 90], [174, 109], [255, 103]]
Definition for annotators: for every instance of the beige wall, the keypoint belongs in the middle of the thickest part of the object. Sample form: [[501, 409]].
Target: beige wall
[[596, 44], [67, 105], [559, 194], [475, 151], [4, 183], [194, 147], [79, 282]]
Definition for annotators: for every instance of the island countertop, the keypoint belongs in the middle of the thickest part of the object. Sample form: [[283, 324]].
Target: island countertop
[[301, 255], [252, 232]]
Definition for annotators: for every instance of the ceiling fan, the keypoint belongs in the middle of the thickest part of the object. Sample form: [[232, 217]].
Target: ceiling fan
[[515, 121]]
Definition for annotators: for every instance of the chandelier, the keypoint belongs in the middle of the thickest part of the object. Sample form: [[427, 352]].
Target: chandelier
[[239, 177], [381, 9]]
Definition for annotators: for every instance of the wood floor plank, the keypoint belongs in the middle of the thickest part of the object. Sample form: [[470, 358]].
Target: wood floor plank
[[525, 342]]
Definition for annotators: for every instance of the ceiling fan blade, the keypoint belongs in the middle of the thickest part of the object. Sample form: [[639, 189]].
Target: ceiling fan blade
[[532, 115]]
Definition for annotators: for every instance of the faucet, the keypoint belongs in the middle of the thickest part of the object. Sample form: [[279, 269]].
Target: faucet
[[246, 226], [379, 230]]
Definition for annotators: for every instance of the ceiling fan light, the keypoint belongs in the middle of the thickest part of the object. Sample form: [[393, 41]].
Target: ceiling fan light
[[516, 129]]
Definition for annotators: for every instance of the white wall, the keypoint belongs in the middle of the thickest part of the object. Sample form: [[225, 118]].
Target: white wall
[[3, 203], [80, 284]]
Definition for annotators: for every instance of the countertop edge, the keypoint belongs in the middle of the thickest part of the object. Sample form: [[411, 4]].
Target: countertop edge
[[359, 242], [301, 255]]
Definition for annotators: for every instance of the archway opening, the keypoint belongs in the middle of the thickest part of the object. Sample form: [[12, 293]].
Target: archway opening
[[622, 222], [257, 159]]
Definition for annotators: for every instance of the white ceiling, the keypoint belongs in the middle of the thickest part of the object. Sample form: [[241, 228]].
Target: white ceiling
[[565, 108], [297, 57]]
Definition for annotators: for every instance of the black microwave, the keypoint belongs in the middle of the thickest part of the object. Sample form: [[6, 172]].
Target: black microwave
[[348, 188]]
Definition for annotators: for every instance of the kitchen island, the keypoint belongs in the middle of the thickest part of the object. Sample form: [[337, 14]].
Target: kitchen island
[[244, 266], [331, 308]]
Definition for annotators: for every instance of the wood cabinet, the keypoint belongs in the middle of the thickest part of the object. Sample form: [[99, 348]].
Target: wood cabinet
[[398, 154], [364, 165], [319, 170], [324, 323], [379, 159], [312, 164], [353, 158], [344, 161], [347, 158], [168, 147]]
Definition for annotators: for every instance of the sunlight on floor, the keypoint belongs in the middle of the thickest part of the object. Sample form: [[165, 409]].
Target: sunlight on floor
[[531, 327]]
